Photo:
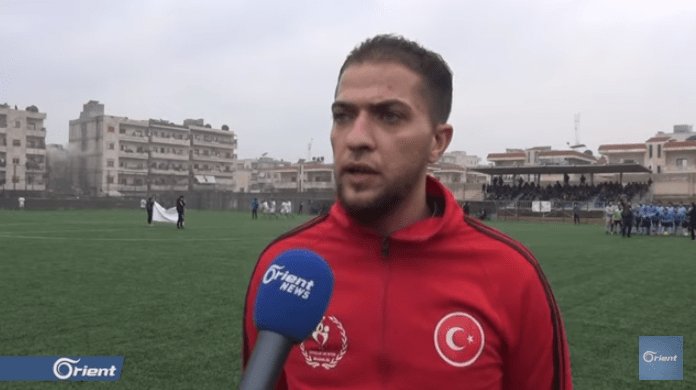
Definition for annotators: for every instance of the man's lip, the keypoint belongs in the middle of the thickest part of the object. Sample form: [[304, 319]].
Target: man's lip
[[359, 169]]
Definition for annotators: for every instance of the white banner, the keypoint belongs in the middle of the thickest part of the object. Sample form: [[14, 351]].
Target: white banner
[[541, 207], [160, 214]]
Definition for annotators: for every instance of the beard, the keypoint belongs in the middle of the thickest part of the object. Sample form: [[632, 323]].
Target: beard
[[384, 202]]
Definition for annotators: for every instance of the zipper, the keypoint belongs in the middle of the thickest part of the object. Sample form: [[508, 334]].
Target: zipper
[[383, 363], [385, 246]]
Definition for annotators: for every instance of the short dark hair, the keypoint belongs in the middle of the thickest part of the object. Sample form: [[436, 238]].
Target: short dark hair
[[436, 74]]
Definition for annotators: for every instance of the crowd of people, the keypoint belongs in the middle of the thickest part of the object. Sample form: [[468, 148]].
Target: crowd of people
[[650, 219], [531, 191]]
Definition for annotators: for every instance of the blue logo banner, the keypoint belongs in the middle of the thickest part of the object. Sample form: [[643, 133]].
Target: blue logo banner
[[661, 358], [60, 368]]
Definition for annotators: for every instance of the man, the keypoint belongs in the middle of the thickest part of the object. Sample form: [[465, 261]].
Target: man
[[576, 213], [21, 202], [692, 220], [466, 208], [445, 302], [149, 205], [254, 208], [617, 219], [608, 217], [627, 220], [180, 204]]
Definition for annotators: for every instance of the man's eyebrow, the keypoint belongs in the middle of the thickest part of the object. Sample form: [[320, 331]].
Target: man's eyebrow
[[378, 105]]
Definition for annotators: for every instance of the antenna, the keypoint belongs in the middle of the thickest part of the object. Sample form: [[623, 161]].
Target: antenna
[[577, 129], [309, 149], [577, 134]]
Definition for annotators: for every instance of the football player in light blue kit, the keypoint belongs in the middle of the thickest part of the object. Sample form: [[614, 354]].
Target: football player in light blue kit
[[680, 220], [666, 221]]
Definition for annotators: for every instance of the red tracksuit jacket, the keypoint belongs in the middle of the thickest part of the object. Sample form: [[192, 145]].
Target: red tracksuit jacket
[[446, 303]]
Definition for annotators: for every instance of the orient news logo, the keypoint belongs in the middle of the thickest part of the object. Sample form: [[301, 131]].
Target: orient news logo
[[66, 368], [292, 284], [661, 358]]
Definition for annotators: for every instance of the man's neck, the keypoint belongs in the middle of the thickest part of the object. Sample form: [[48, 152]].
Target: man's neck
[[411, 210]]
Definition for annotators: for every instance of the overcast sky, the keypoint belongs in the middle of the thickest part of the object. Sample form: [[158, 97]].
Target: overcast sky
[[268, 69]]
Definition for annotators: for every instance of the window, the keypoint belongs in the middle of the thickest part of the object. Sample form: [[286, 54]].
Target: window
[[650, 151], [15, 161], [658, 169], [111, 129], [110, 179], [112, 146], [110, 163], [659, 151], [682, 163], [124, 182], [18, 124], [3, 120], [122, 130], [17, 142]]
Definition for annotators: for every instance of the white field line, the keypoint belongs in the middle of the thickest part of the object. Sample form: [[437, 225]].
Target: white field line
[[133, 239]]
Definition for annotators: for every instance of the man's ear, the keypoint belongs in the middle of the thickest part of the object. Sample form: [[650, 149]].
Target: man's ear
[[442, 137]]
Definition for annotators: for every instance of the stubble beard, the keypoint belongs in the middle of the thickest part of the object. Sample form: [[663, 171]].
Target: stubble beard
[[384, 203]]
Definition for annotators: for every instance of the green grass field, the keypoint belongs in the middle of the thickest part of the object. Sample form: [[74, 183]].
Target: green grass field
[[170, 301]]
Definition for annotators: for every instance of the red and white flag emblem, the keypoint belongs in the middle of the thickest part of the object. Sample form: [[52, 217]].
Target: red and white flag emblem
[[459, 339]]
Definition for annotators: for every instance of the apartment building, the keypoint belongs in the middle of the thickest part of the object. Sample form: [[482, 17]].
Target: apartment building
[[116, 156], [22, 150], [671, 157]]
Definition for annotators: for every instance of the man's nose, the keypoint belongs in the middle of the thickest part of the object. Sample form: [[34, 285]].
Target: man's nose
[[360, 135]]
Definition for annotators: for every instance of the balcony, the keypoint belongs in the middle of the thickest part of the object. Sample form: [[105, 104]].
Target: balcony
[[36, 133], [35, 167], [133, 137], [202, 157], [134, 155], [169, 172], [170, 141], [37, 151], [221, 145], [170, 156], [125, 169]]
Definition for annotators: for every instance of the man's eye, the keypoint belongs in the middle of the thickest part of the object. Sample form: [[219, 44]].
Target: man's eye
[[340, 116], [389, 116]]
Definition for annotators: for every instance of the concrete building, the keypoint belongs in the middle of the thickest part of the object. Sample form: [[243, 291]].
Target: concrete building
[[57, 170], [22, 150], [118, 156], [459, 158], [671, 157]]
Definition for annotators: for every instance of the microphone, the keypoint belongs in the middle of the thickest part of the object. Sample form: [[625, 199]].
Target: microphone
[[291, 301]]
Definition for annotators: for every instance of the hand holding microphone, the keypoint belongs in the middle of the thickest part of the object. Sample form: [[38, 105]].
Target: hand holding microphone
[[291, 301]]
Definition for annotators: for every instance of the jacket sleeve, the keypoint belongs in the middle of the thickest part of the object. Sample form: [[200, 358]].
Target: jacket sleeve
[[538, 357], [249, 331]]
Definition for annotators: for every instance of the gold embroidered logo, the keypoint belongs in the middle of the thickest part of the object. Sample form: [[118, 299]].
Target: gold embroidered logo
[[328, 345]]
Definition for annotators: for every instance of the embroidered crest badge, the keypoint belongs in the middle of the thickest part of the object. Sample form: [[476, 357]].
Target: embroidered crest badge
[[327, 345]]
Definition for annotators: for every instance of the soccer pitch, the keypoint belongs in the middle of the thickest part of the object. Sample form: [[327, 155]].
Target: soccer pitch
[[103, 283]]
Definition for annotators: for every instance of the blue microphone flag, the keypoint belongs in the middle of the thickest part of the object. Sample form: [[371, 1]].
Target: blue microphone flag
[[294, 294]]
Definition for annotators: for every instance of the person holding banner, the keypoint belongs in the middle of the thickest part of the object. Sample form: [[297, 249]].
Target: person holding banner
[[148, 206], [180, 204]]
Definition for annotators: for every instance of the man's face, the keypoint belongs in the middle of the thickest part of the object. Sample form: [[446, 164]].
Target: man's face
[[382, 138]]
